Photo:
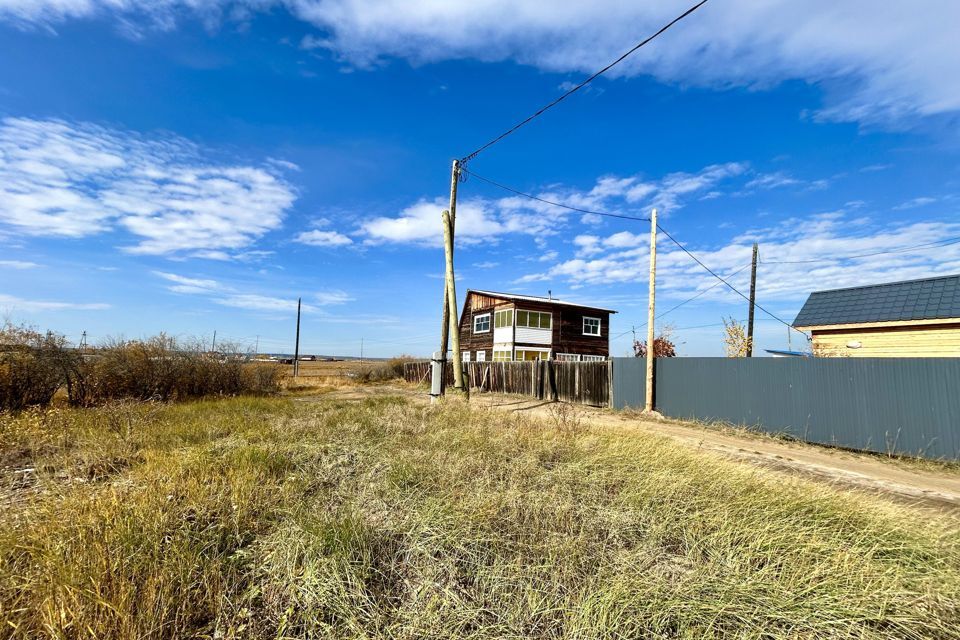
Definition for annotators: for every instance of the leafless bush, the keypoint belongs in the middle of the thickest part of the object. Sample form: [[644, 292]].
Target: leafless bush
[[160, 368], [567, 418], [33, 366], [392, 369]]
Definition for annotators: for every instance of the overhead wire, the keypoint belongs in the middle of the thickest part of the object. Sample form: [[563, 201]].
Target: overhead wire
[[928, 245], [729, 286], [677, 306], [662, 230], [605, 214], [478, 151]]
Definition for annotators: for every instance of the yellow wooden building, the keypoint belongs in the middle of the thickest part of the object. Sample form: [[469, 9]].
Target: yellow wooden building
[[910, 319]]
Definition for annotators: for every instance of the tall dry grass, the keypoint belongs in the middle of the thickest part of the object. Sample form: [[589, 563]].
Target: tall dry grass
[[266, 518], [35, 366]]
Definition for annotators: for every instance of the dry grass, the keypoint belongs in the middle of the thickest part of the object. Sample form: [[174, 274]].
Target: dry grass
[[268, 518]]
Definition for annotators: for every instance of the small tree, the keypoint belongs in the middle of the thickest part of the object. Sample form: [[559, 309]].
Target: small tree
[[736, 344], [663, 346]]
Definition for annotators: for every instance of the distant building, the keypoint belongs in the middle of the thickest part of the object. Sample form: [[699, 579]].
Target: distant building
[[914, 318], [506, 326]]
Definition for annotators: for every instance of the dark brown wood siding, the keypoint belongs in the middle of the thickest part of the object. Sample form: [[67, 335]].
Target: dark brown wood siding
[[473, 306], [567, 326]]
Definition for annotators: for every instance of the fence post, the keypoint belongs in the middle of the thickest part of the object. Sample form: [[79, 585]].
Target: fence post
[[552, 374], [610, 383]]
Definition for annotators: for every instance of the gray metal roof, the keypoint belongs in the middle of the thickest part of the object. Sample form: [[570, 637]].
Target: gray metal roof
[[926, 299], [517, 296]]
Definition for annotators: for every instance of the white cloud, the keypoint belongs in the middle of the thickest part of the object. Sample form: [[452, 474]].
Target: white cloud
[[183, 284], [489, 218], [420, 223], [883, 62], [772, 181], [74, 180], [229, 296], [33, 306], [797, 256], [18, 264], [318, 238], [914, 203]]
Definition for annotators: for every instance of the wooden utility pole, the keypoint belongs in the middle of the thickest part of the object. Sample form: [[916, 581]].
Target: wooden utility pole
[[753, 300], [213, 345], [296, 346], [648, 405], [445, 312], [454, 327]]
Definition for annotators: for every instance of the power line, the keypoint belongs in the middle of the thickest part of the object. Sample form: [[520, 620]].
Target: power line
[[713, 286], [596, 75], [729, 286], [659, 227], [551, 202], [688, 300], [928, 245]]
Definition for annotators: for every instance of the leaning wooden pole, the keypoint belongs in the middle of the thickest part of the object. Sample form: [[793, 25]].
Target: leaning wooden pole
[[445, 311], [452, 305], [648, 405]]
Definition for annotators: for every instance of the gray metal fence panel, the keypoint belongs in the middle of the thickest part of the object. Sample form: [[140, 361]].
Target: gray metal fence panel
[[628, 383], [897, 405]]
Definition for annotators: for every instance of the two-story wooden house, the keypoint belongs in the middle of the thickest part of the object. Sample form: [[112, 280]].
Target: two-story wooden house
[[506, 326]]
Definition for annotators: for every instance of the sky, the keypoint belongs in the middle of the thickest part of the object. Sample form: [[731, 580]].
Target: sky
[[192, 166]]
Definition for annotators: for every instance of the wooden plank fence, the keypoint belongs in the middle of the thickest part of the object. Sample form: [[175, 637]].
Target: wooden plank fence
[[579, 382]]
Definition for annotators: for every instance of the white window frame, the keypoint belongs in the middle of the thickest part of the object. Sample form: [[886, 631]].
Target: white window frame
[[465, 356], [544, 353], [503, 313], [599, 326], [593, 358], [481, 356], [498, 355], [568, 357], [481, 317], [539, 313]]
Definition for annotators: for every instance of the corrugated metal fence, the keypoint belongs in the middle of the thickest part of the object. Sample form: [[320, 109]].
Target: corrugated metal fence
[[581, 382], [888, 405]]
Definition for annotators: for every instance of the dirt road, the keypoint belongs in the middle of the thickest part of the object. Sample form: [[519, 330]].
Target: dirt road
[[903, 481]]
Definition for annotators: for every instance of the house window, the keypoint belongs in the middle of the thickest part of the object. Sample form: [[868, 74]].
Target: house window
[[503, 318], [591, 326], [532, 354], [502, 355], [481, 323], [465, 356], [481, 356], [593, 358], [568, 357], [535, 319]]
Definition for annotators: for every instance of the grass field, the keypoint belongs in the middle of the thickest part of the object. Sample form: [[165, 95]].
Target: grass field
[[271, 518]]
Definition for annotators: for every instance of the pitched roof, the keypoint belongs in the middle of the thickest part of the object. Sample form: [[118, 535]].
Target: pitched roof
[[541, 299], [926, 299]]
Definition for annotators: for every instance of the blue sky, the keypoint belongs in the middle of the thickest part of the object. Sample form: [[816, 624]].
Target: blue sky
[[196, 166]]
